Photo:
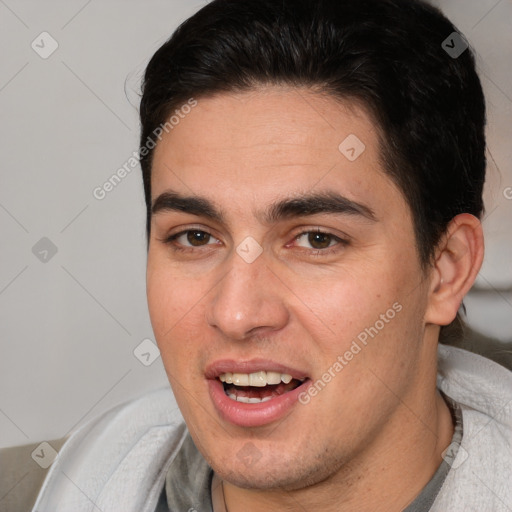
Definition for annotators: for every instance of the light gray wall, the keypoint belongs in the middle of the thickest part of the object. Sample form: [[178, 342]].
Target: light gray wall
[[69, 325], [488, 27]]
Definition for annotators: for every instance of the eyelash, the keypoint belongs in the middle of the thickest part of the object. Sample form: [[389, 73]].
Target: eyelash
[[171, 241]]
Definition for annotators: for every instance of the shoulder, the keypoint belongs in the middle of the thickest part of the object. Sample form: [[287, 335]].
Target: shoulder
[[481, 473], [477, 383], [499, 351], [24, 469], [124, 446]]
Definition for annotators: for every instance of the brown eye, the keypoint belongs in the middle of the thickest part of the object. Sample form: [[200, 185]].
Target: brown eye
[[196, 238], [319, 240], [189, 239]]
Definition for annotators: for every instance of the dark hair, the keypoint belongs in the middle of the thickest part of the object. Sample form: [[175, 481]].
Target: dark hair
[[386, 54]]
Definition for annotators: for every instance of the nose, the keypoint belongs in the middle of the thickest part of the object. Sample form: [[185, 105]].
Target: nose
[[248, 301]]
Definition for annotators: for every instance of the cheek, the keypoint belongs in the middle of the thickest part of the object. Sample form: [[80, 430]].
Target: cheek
[[378, 303], [161, 296], [176, 307], [168, 293], [350, 302], [167, 303]]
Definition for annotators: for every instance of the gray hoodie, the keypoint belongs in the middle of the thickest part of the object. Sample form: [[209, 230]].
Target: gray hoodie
[[120, 461]]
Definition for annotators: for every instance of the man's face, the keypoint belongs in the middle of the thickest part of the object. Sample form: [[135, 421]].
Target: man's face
[[255, 289]]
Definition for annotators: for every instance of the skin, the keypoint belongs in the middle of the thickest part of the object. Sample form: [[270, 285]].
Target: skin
[[373, 437]]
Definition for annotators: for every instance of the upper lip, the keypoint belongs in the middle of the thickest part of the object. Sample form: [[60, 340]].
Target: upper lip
[[221, 366]]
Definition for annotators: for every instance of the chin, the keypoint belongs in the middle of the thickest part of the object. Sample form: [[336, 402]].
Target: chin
[[273, 473], [260, 479]]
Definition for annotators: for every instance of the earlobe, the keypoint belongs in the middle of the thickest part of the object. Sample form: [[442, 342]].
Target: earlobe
[[458, 261]]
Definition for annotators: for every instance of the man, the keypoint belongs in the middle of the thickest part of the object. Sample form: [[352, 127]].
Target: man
[[313, 173]]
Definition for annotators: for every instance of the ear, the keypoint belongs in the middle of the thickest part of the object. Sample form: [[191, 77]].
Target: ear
[[459, 257]]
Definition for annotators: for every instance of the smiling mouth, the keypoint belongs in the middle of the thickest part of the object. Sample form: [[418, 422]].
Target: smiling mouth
[[254, 388]]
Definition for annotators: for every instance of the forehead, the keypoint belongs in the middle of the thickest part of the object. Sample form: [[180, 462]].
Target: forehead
[[275, 117], [272, 142]]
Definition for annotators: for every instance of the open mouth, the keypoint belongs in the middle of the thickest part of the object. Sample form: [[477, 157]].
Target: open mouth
[[254, 388]]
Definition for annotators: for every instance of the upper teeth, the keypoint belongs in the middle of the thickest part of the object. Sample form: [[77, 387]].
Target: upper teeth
[[258, 379]]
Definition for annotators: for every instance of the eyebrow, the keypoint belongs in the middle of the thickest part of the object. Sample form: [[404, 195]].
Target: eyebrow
[[303, 205]]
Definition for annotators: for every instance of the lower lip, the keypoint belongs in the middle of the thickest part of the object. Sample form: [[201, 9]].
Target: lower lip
[[253, 415]]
